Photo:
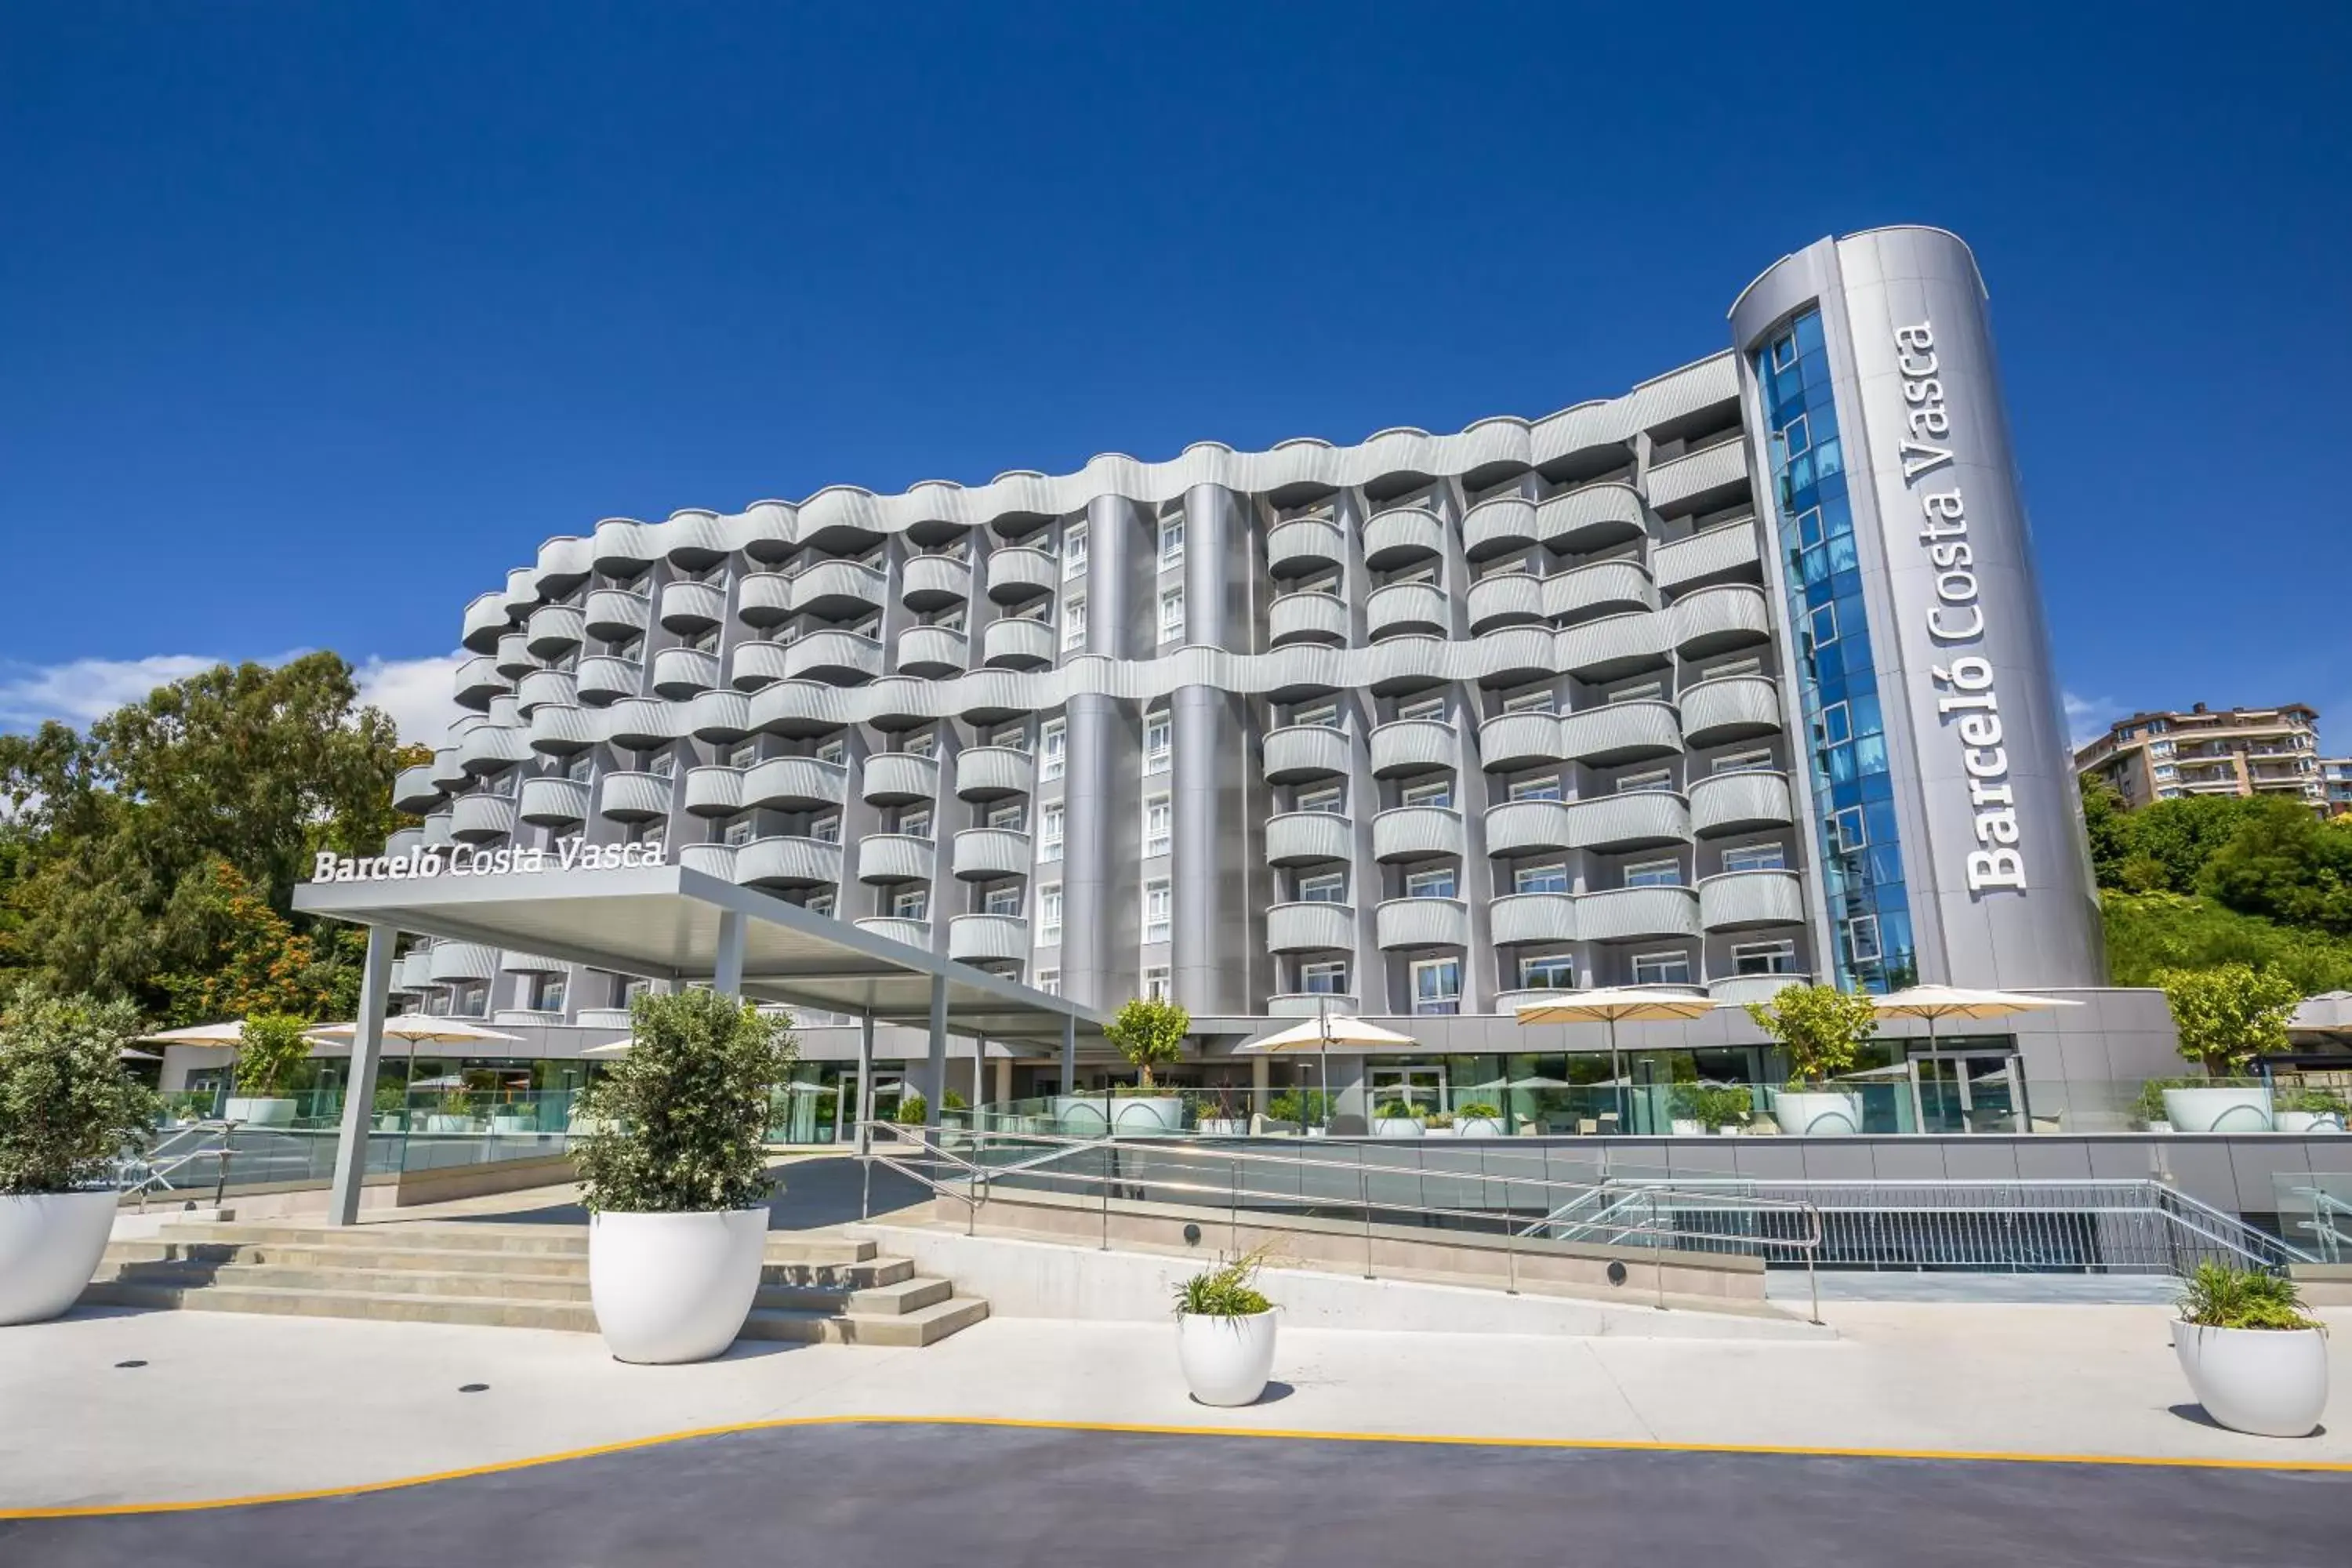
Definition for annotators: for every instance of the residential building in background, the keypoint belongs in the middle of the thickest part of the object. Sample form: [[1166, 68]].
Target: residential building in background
[[2159, 756], [2336, 784]]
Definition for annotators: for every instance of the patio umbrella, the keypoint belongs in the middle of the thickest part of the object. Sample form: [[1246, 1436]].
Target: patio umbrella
[[413, 1027], [1322, 1031], [619, 1047], [231, 1033], [1609, 1007], [133, 1054], [1934, 1002]]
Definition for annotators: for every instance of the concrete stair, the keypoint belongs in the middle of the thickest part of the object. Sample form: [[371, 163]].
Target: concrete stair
[[812, 1290]]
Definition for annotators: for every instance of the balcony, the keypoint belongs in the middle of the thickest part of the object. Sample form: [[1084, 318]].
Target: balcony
[[1300, 754], [933, 653], [1307, 618], [1597, 517], [513, 657], [898, 929], [1629, 914], [764, 599], [453, 962], [1514, 740], [405, 841], [1404, 609], [1404, 746], [835, 656], [414, 791], [1638, 731], [1311, 1003], [480, 818], [1532, 917], [635, 796], [415, 971], [788, 861], [898, 778], [1309, 927], [435, 834], [795, 783], [1710, 621], [1395, 539], [1304, 838], [994, 772], [1645, 819], [1303, 547], [1727, 553], [545, 688], [714, 791], [1526, 826], [554, 631], [689, 608], [488, 748], [710, 860], [486, 621], [553, 803], [1406, 924], [1694, 481], [987, 937], [1498, 527], [1017, 644], [1416, 832], [837, 590], [985, 854], [478, 680], [1750, 900], [1020, 573], [896, 858], [927, 583], [614, 615], [1754, 987], [513, 963], [1603, 588], [603, 679], [1730, 708], [1740, 802], [680, 673], [1505, 599], [1610, 647]]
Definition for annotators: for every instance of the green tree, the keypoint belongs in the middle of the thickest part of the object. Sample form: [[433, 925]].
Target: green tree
[[2171, 840], [1819, 1026], [2109, 827], [681, 1121], [2149, 933], [273, 1046], [66, 1105], [1147, 1031], [2286, 864], [2229, 1015]]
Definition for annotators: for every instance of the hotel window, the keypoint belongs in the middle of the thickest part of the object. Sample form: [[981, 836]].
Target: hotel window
[[818, 904], [1156, 987], [1661, 969], [1073, 552], [1764, 957], [1320, 716], [1049, 980], [1051, 736], [470, 1000], [1657, 781], [1548, 971], [1543, 787], [704, 641], [1010, 814], [1755, 857], [580, 768], [1159, 740], [1847, 830], [739, 831], [547, 994], [744, 755], [946, 620], [2167, 771], [1172, 616], [1641, 692], [1432, 709], [1159, 817], [1049, 912], [1439, 795], [1546, 878], [1327, 585], [632, 989], [1796, 438], [1834, 727], [1744, 763], [1171, 541], [825, 830], [1654, 874], [922, 744], [1326, 979], [1862, 939], [633, 651], [1436, 883], [915, 821], [2160, 748], [832, 752], [1423, 573], [1074, 625], [911, 903], [1001, 899], [1529, 702], [1158, 903], [1731, 667], [1437, 985], [1331, 800], [654, 834], [1013, 738], [1049, 832], [662, 765], [1324, 887], [1820, 625]]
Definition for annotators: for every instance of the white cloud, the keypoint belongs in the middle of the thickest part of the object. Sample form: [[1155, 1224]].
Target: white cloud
[[415, 692], [2087, 718]]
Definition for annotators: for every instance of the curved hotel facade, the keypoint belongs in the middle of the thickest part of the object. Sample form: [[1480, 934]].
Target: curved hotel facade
[[1736, 677]]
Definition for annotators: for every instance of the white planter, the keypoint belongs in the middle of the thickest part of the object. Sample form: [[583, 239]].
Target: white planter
[[514, 1126], [1686, 1127], [1226, 1361], [1080, 1115], [1480, 1127], [2270, 1381], [272, 1113], [670, 1288], [2310, 1121], [390, 1122], [49, 1247], [1397, 1126], [1817, 1112], [1448, 1131], [1147, 1114], [2217, 1109], [441, 1122]]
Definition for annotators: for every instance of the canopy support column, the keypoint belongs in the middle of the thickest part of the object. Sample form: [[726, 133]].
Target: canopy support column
[[727, 973], [1069, 1053], [935, 1065], [865, 1102], [359, 1087]]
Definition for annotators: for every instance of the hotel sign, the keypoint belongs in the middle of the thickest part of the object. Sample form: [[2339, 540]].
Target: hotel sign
[[466, 861]]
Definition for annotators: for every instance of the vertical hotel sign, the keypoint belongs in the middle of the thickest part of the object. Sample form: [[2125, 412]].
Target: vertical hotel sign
[[1966, 703]]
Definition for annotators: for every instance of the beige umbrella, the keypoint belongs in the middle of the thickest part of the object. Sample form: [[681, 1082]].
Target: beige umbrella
[[1939, 1002], [619, 1047], [1322, 1031], [230, 1033], [1609, 1006], [413, 1027]]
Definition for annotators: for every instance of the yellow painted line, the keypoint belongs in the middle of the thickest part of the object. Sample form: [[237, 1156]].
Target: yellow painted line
[[1568, 1444]]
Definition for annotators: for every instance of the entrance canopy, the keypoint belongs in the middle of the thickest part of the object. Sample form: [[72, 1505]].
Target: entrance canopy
[[672, 922]]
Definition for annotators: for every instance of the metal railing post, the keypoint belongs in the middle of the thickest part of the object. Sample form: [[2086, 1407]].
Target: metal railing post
[[1510, 1235], [220, 1169], [1364, 1197]]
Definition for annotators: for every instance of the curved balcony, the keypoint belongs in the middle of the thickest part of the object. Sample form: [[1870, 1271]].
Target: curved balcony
[[897, 929], [1404, 746], [993, 772], [986, 937], [1730, 708], [1753, 987], [1512, 740], [553, 803], [480, 818], [546, 688], [614, 615], [414, 970], [1304, 546], [1634, 732], [688, 608], [414, 791], [985, 854], [1610, 647], [720, 718], [710, 860], [1740, 802], [837, 590], [1311, 1003], [513, 963], [899, 778], [478, 680], [714, 791], [1404, 609], [642, 724], [1394, 539], [927, 583], [788, 861], [1710, 621], [1299, 753], [1531, 917], [758, 663], [1645, 819], [1700, 481], [453, 962], [794, 783], [1603, 588], [489, 748], [1403, 924], [1750, 900], [1524, 826], [435, 834], [487, 619], [1017, 644], [554, 631], [635, 796], [513, 657], [680, 673], [1020, 573], [764, 599], [603, 679], [1307, 618], [933, 653], [1595, 517], [1309, 927], [1304, 838], [835, 656], [896, 858], [1505, 599], [405, 841], [1628, 914], [1498, 527], [1727, 553], [1413, 832]]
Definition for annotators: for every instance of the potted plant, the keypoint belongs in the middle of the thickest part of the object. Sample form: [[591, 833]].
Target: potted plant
[[1437, 1124], [1395, 1119], [1224, 1333], [1296, 1109], [1478, 1119], [67, 1111], [2311, 1111], [676, 1186], [2226, 1016], [391, 1108], [2255, 1361], [513, 1118], [272, 1046], [1147, 1031], [1712, 1106], [455, 1115], [1821, 1028]]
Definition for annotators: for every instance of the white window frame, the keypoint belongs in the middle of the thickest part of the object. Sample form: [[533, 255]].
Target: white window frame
[[1771, 952], [1159, 809], [1311, 887], [1834, 727], [1073, 624], [1532, 702], [1438, 792], [834, 752], [1052, 739], [1171, 541], [915, 821], [1861, 932], [1679, 957], [1161, 892], [911, 903], [1440, 1003], [1540, 787], [1052, 827], [1049, 913], [1172, 616], [1646, 869], [1417, 884], [1730, 667], [1548, 868], [1531, 963], [826, 830], [1049, 980], [1652, 780], [1159, 740], [819, 903], [1330, 800], [1641, 692], [1011, 815], [1331, 969], [1429, 710], [1745, 852], [1159, 982], [1001, 898], [1319, 716], [1841, 841], [1073, 552], [740, 831], [1820, 625], [1755, 761]]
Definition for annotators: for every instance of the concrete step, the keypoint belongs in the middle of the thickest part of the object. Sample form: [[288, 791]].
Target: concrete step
[[381, 1281], [873, 1271], [782, 1248], [894, 1300], [923, 1326], [487, 1311]]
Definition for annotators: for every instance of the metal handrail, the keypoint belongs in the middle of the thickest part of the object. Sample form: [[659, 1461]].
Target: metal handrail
[[157, 1173]]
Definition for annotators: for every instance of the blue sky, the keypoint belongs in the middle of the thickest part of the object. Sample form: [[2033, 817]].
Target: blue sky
[[314, 320]]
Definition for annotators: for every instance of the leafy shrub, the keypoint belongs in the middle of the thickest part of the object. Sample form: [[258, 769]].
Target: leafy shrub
[[1712, 1104], [2151, 932], [67, 1108], [1819, 1025], [1228, 1290], [1147, 1031], [2229, 1015], [1438, 1119], [912, 1109], [1395, 1111], [680, 1120], [1308, 1106], [2316, 1102], [2220, 1296], [1479, 1108], [273, 1044]]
